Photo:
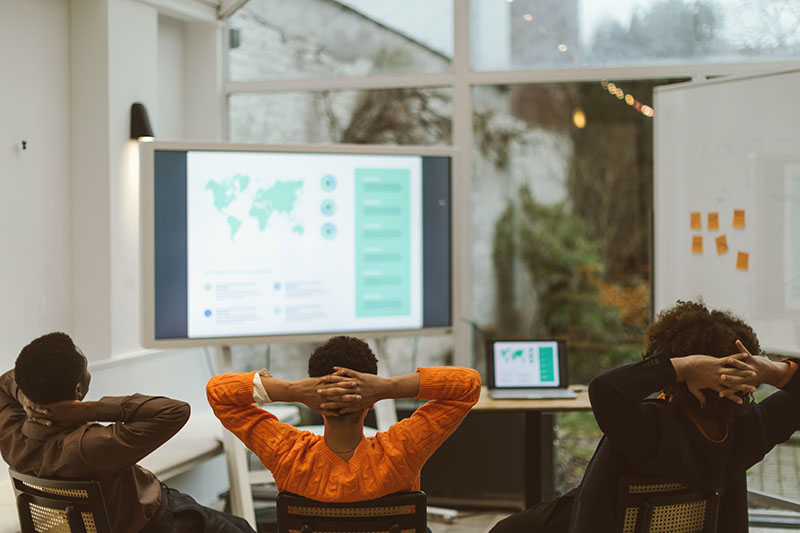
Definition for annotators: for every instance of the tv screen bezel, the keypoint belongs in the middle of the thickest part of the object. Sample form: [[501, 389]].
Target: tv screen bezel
[[147, 150]]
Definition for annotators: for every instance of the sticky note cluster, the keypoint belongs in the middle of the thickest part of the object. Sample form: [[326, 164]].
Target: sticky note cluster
[[712, 224]]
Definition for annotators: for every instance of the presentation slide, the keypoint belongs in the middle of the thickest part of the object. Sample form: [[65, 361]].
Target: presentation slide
[[256, 243], [526, 364], [282, 242]]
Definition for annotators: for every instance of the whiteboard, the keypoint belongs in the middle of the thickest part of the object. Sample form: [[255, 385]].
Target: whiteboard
[[731, 146]]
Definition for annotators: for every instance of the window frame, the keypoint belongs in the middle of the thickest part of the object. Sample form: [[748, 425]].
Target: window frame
[[461, 80]]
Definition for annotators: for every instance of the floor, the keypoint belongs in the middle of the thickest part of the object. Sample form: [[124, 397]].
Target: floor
[[468, 522], [482, 522]]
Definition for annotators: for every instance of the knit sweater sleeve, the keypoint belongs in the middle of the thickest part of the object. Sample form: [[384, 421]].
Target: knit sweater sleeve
[[451, 392], [231, 398]]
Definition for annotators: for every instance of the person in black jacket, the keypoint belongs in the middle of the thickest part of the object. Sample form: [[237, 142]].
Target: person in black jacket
[[703, 431]]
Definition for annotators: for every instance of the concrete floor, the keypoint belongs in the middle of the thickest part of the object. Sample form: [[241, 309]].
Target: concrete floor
[[469, 522], [482, 522]]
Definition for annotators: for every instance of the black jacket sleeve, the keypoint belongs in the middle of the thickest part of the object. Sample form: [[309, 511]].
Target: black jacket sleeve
[[617, 396], [770, 422]]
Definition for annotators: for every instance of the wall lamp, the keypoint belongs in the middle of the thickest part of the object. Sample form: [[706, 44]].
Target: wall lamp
[[140, 123]]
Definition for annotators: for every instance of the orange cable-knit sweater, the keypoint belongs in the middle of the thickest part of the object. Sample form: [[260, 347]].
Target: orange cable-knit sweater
[[390, 462]]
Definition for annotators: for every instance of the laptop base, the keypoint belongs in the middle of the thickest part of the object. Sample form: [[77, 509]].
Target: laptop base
[[532, 394]]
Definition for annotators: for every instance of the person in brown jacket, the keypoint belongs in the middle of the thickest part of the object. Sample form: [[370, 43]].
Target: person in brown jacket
[[47, 430]]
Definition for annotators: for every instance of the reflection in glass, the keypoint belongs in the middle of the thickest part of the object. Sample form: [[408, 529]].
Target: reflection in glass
[[572, 33], [275, 39]]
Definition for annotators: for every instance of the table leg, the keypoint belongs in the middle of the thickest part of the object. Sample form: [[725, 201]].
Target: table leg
[[539, 458]]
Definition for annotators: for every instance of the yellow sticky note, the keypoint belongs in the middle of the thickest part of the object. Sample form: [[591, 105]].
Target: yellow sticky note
[[742, 260], [722, 245], [697, 244], [738, 218], [713, 220], [696, 221]]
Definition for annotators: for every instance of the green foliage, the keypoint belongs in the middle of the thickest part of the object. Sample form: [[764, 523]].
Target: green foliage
[[565, 271]]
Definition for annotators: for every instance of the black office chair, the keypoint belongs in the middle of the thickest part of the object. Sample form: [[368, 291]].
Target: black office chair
[[649, 506], [56, 506], [404, 512]]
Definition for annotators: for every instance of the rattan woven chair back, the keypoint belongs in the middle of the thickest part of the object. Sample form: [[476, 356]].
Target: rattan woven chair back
[[648, 506], [404, 512], [57, 506]]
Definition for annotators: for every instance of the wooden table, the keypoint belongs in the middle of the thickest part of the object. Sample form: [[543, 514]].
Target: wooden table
[[482, 446]]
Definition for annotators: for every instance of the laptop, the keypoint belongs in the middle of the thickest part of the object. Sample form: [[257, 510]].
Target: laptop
[[531, 369]]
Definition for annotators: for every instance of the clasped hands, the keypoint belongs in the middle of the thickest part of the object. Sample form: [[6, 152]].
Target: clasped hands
[[343, 392], [69, 413], [731, 377]]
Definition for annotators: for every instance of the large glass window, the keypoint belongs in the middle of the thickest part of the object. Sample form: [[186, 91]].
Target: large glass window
[[522, 34], [279, 39], [417, 116], [562, 175], [560, 170], [562, 180]]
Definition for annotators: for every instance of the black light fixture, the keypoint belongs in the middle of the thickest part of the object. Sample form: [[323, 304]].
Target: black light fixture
[[140, 123]]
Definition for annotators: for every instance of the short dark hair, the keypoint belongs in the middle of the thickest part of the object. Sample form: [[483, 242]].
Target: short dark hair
[[691, 328], [48, 368], [348, 352]]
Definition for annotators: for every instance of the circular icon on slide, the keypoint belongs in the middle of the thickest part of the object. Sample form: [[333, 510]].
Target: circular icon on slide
[[328, 207], [207, 312], [328, 182], [328, 231]]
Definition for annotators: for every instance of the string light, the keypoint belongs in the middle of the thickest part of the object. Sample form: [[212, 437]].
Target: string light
[[562, 47], [612, 89], [579, 118], [527, 17]]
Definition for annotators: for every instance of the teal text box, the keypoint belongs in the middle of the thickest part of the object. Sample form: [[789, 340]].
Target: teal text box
[[383, 242]]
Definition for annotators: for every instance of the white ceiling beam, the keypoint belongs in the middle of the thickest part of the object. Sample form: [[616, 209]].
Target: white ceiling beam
[[187, 10], [227, 7]]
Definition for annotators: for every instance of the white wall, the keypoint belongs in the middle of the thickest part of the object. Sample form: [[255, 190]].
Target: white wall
[[35, 218], [88, 63], [127, 52], [132, 77], [169, 118], [69, 72]]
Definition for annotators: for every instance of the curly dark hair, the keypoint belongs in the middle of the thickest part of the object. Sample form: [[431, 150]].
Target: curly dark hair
[[48, 368], [348, 352], [690, 328]]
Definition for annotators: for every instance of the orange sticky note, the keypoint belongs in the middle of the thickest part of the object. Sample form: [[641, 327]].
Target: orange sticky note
[[738, 218], [697, 244], [696, 221], [713, 220], [742, 260], [722, 245]]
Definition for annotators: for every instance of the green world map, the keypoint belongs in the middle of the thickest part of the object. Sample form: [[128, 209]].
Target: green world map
[[235, 199]]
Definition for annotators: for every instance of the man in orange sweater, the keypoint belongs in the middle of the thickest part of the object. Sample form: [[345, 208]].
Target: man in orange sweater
[[344, 465]]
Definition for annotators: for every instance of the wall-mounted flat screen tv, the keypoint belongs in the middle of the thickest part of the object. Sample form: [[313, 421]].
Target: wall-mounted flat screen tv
[[251, 243]]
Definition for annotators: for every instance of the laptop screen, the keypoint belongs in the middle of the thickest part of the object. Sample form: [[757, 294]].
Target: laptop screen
[[527, 364]]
